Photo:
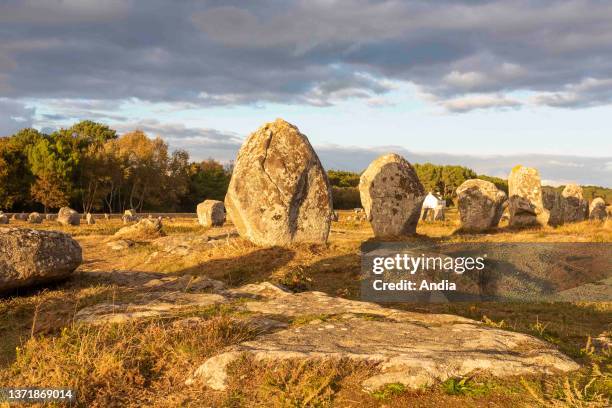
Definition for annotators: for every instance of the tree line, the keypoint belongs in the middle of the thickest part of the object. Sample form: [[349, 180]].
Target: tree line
[[90, 168]]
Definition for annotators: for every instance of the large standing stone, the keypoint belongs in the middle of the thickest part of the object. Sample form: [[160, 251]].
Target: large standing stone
[[67, 216], [597, 211], [525, 198], [35, 218], [279, 192], [211, 213], [4, 219], [480, 205], [391, 195], [575, 207], [29, 257], [554, 203]]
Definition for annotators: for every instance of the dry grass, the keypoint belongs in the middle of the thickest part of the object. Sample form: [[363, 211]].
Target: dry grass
[[133, 364]]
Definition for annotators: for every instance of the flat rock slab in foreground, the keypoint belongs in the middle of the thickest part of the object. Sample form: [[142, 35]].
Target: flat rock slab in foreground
[[411, 348]]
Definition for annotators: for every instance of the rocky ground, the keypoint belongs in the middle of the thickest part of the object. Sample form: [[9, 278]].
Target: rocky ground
[[200, 317]]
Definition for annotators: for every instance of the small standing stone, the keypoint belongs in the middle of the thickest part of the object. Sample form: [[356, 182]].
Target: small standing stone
[[597, 211], [35, 218], [90, 219], [481, 204], [554, 203], [4, 219], [525, 198], [211, 213], [575, 207], [67, 216]]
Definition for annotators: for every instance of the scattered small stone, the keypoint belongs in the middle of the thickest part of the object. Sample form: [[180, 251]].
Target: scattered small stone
[[120, 244], [144, 229], [67, 216], [35, 218]]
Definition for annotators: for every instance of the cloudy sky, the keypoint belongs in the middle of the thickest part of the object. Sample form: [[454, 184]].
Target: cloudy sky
[[482, 83]]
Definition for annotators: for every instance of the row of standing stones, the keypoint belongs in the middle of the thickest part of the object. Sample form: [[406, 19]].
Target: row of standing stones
[[279, 194]]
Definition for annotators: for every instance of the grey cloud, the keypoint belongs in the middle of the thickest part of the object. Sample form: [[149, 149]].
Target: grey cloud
[[589, 92], [472, 102], [61, 11], [306, 52], [14, 116]]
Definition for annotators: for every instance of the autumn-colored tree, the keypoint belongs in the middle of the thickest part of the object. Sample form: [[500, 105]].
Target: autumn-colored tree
[[50, 192], [144, 163]]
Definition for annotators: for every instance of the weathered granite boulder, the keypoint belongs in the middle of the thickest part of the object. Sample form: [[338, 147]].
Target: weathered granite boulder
[[89, 218], [597, 210], [279, 192], [144, 229], [67, 216], [4, 219], [480, 205], [30, 257], [35, 218], [554, 203], [391, 195], [525, 198], [211, 213], [575, 207]]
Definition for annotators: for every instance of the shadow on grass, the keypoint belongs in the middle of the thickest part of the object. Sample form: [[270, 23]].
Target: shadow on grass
[[254, 266]]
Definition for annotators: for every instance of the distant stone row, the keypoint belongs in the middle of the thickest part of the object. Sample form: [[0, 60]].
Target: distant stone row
[[65, 216], [279, 193], [481, 204]]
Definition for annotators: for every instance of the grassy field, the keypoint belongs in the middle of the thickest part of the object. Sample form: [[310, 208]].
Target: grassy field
[[146, 363]]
